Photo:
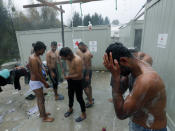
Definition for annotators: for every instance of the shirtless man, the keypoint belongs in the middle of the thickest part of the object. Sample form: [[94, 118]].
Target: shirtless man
[[52, 58], [86, 56], [37, 81], [141, 56], [127, 80], [74, 79], [146, 103]]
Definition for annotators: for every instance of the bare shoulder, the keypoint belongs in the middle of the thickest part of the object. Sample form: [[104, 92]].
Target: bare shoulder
[[90, 54], [33, 60], [48, 52], [149, 80], [32, 57], [78, 52], [78, 59]]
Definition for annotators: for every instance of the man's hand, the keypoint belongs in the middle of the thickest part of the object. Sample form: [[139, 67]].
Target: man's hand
[[66, 77], [53, 75], [87, 78], [46, 85], [113, 67]]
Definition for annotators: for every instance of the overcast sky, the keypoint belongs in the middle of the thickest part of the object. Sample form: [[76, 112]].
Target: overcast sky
[[126, 9]]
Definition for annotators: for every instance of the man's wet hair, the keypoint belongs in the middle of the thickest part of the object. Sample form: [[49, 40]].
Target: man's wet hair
[[53, 43], [39, 45], [66, 51], [81, 44], [118, 51]]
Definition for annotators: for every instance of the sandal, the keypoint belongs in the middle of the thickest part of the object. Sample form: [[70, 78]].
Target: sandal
[[67, 114], [59, 97], [88, 105], [79, 119], [92, 99], [30, 97]]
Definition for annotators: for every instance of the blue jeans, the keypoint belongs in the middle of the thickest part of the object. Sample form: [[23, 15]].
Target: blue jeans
[[135, 127]]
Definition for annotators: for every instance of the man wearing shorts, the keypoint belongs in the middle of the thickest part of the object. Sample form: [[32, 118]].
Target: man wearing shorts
[[37, 81], [86, 57], [74, 79], [52, 58]]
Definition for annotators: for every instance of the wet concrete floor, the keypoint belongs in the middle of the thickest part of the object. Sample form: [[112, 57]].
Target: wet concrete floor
[[14, 110]]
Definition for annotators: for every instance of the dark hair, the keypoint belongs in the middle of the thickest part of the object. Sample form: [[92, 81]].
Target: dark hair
[[118, 51], [53, 43], [81, 44], [66, 51], [33, 44], [39, 45]]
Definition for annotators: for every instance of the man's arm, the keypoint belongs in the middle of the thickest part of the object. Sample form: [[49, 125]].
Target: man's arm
[[87, 64], [48, 60], [124, 80], [134, 101]]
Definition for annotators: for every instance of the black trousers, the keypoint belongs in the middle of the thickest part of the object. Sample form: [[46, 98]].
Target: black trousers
[[75, 87], [18, 74], [55, 79]]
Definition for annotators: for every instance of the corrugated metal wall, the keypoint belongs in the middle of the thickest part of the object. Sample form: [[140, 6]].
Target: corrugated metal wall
[[160, 19], [125, 36], [101, 34], [127, 33]]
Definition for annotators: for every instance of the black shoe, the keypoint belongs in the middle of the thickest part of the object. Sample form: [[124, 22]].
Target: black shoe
[[79, 119], [92, 99], [88, 105], [67, 114], [30, 97]]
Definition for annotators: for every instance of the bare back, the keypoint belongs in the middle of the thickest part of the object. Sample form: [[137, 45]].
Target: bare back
[[76, 67]]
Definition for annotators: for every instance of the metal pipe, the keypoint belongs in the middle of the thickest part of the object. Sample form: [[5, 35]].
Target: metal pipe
[[62, 27], [58, 3]]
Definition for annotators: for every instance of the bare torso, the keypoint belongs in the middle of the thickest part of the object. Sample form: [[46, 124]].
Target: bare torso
[[152, 114], [35, 65], [75, 66], [52, 59], [86, 58]]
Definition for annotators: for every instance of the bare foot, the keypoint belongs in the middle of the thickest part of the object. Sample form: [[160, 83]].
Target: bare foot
[[48, 119], [47, 114], [110, 100], [56, 97]]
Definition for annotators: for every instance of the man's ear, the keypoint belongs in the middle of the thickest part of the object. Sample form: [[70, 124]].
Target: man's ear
[[124, 61]]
